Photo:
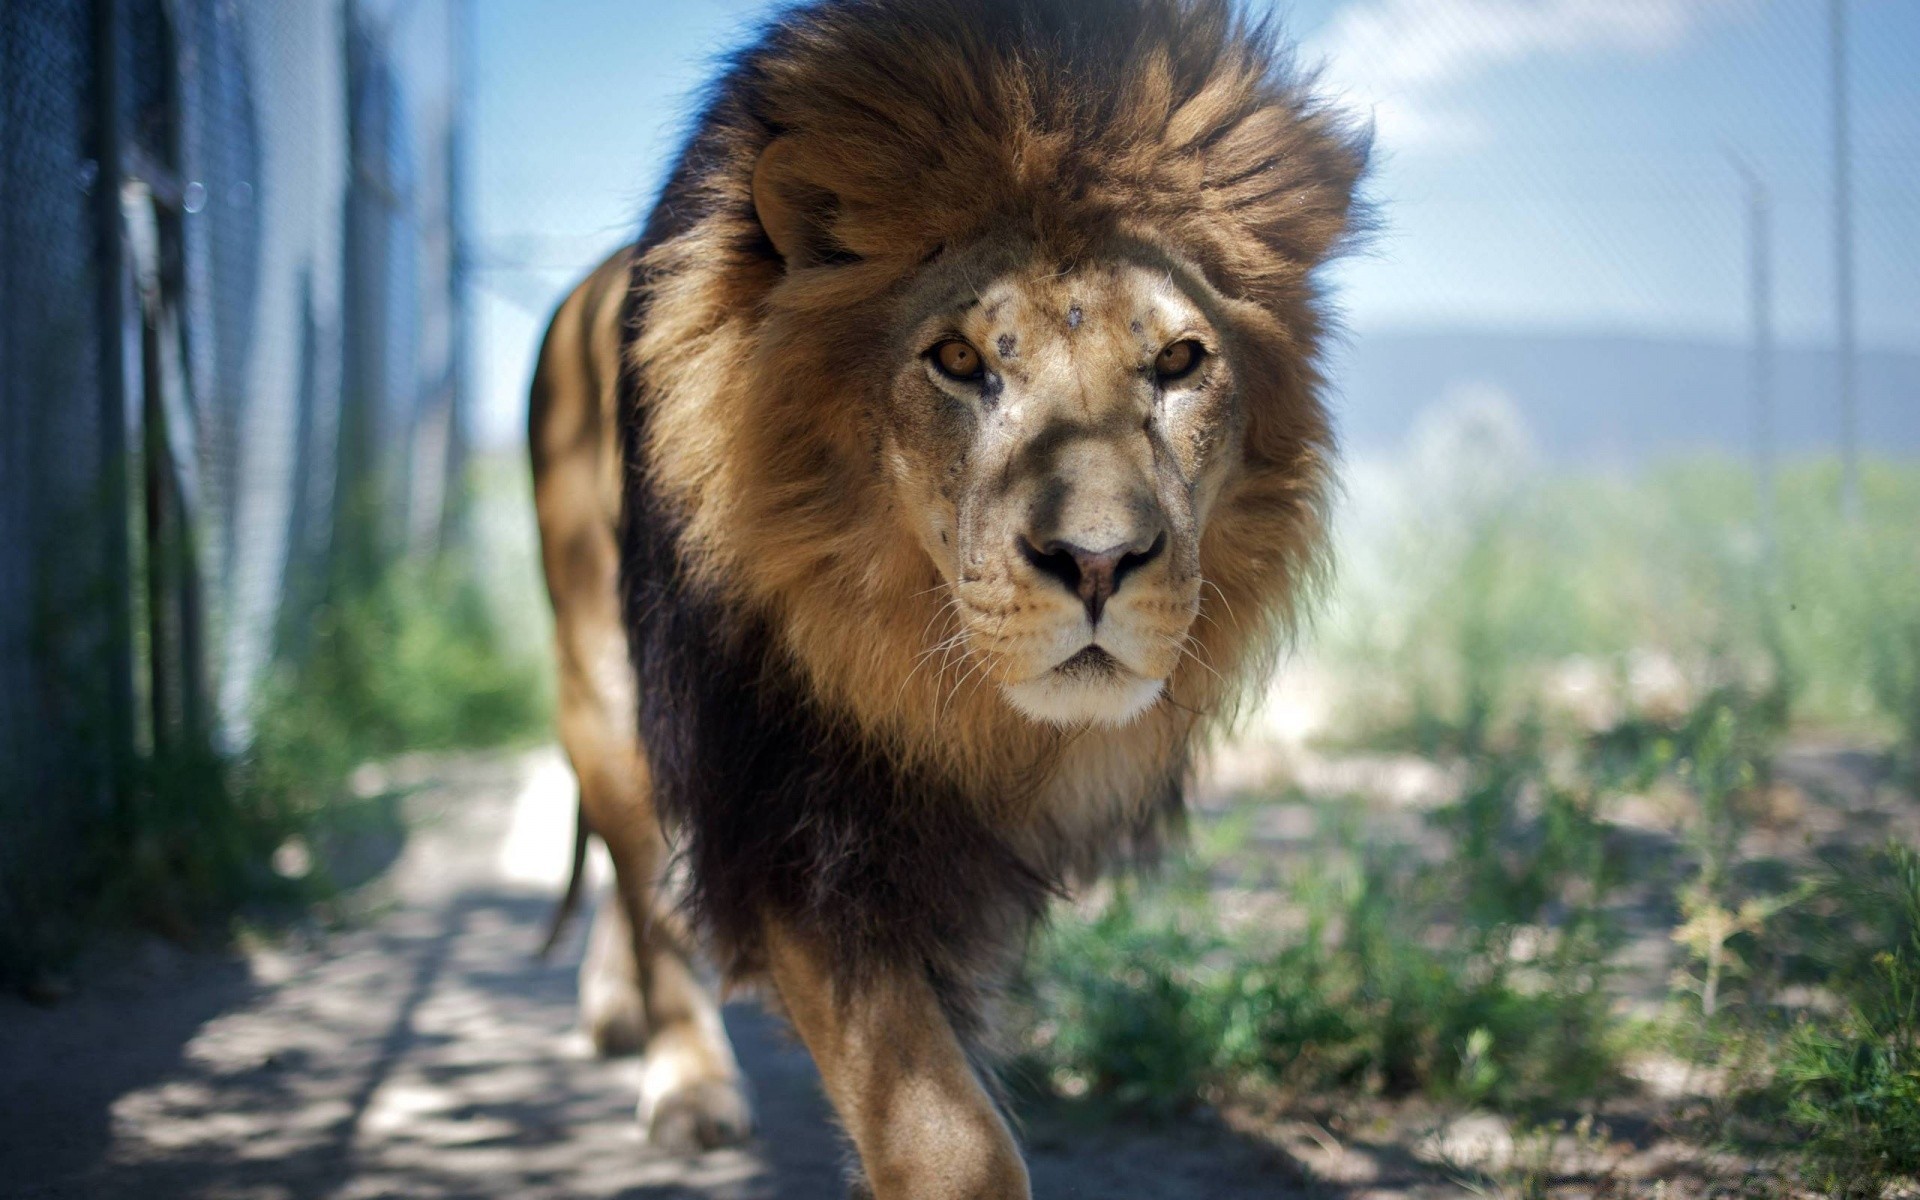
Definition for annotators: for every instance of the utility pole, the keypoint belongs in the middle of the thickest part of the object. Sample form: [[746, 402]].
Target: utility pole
[[1843, 270], [1760, 316]]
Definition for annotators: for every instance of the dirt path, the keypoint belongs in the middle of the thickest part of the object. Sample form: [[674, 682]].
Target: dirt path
[[428, 1055]]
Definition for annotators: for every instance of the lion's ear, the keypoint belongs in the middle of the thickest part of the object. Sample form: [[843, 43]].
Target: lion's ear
[[796, 212]]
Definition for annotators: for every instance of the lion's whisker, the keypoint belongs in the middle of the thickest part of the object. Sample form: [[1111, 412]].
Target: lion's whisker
[[1223, 600], [944, 649], [974, 668], [1190, 649], [946, 609]]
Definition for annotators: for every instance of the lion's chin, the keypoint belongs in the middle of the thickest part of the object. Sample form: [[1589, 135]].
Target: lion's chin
[[1075, 694]]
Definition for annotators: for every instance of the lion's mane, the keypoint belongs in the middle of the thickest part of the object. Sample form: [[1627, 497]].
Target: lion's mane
[[776, 607]]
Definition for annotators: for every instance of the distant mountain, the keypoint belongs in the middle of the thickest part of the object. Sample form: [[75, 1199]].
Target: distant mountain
[[1618, 400]]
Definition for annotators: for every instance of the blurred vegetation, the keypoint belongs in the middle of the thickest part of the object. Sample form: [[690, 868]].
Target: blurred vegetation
[[413, 662], [414, 658], [1465, 624], [1575, 654]]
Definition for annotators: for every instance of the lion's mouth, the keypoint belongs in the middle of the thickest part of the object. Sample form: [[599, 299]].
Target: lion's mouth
[[1092, 687], [1090, 665]]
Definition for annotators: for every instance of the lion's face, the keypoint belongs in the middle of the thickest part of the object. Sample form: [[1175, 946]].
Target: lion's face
[[1057, 438]]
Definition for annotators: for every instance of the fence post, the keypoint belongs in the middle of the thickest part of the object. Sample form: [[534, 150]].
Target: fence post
[[116, 658]]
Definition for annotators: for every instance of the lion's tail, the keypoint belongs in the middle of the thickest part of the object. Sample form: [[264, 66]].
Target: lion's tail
[[564, 912]]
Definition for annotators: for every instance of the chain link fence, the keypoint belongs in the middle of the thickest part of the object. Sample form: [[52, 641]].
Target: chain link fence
[[230, 368]]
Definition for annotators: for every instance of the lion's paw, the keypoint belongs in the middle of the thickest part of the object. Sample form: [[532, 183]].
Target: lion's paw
[[698, 1116], [613, 1018]]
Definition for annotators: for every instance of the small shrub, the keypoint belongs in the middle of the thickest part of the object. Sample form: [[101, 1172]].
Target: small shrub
[[1152, 1006], [1722, 754], [412, 663], [1851, 1084], [1134, 1012], [1509, 1009], [1895, 681], [1853, 1088], [190, 840]]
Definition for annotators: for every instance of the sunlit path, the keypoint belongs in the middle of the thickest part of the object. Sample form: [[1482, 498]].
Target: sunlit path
[[429, 1054]]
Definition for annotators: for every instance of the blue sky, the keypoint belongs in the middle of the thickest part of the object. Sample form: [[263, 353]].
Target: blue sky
[[1552, 164]]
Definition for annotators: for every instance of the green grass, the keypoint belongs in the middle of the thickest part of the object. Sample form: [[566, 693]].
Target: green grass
[[1845, 1080], [1152, 1005]]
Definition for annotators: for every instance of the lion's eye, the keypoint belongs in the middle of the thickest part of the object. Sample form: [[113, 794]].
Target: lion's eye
[[1178, 359], [957, 360]]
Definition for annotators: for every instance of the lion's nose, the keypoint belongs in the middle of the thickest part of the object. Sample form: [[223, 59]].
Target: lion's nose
[[1093, 575]]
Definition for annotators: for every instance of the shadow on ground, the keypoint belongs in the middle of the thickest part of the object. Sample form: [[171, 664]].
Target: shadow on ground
[[428, 1054], [62, 1068]]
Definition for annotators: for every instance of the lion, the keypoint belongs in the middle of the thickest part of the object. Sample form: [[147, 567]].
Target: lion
[[945, 461]]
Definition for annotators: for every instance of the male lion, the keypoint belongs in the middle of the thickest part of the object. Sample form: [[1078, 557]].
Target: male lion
[[939, 466]]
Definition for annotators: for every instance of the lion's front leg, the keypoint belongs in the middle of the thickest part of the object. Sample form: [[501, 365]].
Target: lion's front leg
[[924, 1126]]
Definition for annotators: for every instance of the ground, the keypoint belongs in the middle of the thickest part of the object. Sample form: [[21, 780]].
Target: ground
[[425, 1052]]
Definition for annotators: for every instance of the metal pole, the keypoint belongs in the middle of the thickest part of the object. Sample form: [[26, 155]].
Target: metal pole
[[110, 315], [1843, 269], [453, 525], [1760, 317]]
